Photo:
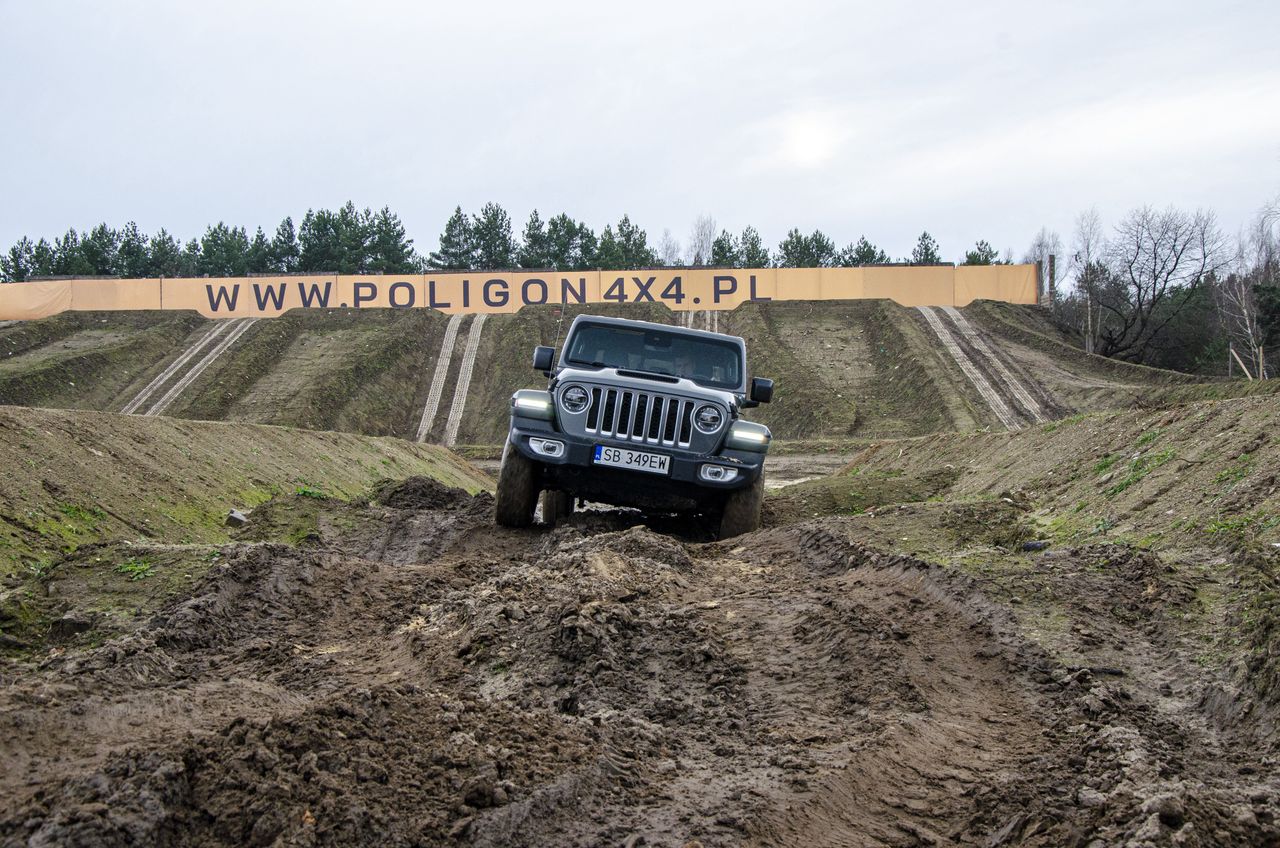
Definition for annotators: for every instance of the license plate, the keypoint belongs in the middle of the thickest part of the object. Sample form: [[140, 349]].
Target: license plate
[[654, 463]]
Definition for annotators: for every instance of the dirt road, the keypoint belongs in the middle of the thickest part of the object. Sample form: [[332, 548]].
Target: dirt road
[[410, 675]]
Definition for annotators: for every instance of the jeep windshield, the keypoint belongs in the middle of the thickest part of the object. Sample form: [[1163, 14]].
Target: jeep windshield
[[705, 361]]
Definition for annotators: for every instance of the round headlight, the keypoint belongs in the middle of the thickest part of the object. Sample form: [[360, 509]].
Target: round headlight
[[574, 399], [708, 418]]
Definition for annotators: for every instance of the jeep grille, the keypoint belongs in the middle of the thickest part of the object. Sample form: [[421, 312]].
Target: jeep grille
[[640, 417]]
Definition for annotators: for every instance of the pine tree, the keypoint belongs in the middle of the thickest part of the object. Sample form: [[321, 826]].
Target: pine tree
[[610, 255], [101, 249], [390, 252], [926, 251], [725, 251], [863, 253], [587, 246], [189, 261], [812, 251], [165, 255], [135, 252], [258, 256], [18, 265], [982, 254], [634, 245], [535, 244], [68, 261], [284, 248], [562, 242], [457, 248], [491, 234], [353, 230], [224, 251], [754, 253], [42, 260], [319, 243]]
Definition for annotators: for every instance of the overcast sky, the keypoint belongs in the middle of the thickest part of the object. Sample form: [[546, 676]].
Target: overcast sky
[[971, 120]]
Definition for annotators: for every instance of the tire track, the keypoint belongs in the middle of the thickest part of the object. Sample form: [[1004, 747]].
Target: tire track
[[437, 380], [1019, 390], [1001, 409], [167, 374], [464, 381], [242, 327]]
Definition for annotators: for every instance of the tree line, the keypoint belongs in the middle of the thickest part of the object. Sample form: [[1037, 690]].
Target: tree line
[[1161, 287], [354, 241], [348, 241], [1167, 288]]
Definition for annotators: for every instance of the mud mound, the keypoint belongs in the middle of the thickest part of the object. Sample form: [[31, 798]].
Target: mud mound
[[389, 766], [407, 675], [419, 493]]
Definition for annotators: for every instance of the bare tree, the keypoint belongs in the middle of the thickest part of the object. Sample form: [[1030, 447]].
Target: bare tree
[[1044, 245], [1088, 245], [1089, 242], [1152, 267], [701, 238], [1256, 263], [669, 249]]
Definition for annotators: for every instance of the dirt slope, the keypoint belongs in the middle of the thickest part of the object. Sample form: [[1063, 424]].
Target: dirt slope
[[860, 369], [900, 669], [71, 479]]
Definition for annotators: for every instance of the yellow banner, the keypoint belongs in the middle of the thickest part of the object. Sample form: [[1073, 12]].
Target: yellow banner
[[681, 289]]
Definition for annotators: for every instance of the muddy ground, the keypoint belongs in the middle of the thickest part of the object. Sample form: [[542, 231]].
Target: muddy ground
[[408, 674]]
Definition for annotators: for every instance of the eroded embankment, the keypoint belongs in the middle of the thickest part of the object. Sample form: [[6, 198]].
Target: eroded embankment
[[408, 674]]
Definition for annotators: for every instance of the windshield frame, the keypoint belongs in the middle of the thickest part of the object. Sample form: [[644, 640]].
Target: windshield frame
[[675, 340]]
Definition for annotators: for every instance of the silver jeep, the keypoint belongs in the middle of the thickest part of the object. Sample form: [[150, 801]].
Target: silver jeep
[[640, 415]]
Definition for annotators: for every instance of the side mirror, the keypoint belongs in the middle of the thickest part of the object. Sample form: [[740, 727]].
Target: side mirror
[[761, 390], [543, 357]]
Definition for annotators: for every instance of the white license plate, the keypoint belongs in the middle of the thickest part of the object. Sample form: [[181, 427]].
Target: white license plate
[[654, 463]]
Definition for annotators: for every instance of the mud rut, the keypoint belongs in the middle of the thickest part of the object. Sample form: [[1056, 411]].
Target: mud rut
[[417, 677]]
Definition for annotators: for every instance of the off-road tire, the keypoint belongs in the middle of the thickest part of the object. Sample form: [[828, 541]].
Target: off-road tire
[[556, 506], [517, 489], [742, 508]]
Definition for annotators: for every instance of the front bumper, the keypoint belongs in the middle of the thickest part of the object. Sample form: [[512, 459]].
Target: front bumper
[[574, 471]]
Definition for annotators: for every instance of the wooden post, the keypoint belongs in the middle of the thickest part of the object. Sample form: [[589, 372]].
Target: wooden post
[[1052, 278], [1039, 282], [1240, 362]]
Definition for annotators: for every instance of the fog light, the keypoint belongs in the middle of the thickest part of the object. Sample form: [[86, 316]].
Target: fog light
[[717, 473], [547, 447]]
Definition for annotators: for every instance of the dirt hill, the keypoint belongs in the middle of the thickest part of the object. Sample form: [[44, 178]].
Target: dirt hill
[[860, 369], [1064, 635]]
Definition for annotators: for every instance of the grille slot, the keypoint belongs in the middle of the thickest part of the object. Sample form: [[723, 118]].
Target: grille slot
[[645, 417]]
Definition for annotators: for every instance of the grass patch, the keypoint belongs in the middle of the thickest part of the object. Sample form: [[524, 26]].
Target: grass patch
[[305, 491], [135, 569], [1140, 468], [1236, 473], [1147, 438], [1104, 464], [1242, 526]]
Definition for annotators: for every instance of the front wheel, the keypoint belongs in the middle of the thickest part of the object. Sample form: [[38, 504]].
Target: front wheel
[[556, 506], [517, 489], [742, 510]]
